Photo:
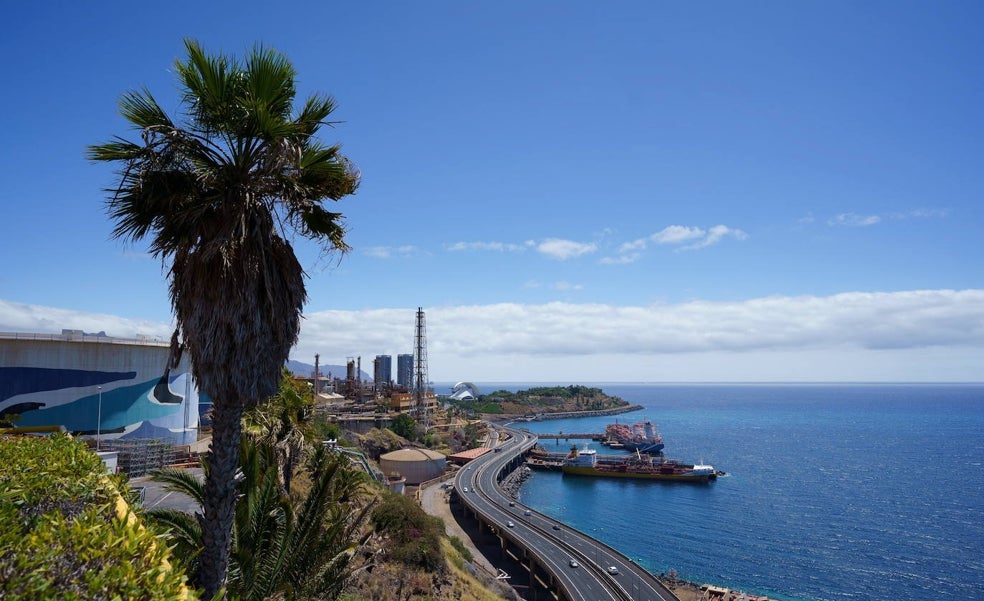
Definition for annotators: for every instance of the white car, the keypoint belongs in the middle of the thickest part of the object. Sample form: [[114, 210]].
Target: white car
[[573, 563], [510, 524], [612, 570]]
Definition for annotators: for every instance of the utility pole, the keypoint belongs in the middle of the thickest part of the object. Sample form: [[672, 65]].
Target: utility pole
[[99, 413]]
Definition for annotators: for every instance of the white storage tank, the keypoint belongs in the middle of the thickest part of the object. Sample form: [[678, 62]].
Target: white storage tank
[[98, 386], [416, 465]]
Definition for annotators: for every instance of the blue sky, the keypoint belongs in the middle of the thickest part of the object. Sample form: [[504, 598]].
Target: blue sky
[[573, 191]]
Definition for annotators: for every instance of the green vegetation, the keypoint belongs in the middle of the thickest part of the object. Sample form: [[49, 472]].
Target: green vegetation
[[547, 399], [301, 509], [481, 406], [326, 430], [218, 195], [284, 547], [63, 534], [413, 538], [460, 547], [405, 426], [284, 423]]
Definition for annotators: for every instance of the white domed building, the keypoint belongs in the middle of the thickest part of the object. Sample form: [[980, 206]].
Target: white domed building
[[464, 391]]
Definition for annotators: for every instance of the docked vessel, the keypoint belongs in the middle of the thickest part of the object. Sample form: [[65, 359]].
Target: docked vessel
[[641, 436], [585, 463]]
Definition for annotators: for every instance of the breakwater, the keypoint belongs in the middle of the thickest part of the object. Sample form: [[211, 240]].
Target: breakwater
[[539, 417]]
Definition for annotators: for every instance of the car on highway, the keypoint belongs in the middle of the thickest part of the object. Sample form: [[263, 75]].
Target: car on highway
[[465, 489], [510, 524], [512, 503], [573, 563], [613, 570], [527, 512], [556, 527]]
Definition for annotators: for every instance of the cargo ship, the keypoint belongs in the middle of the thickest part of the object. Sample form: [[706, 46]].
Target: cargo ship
[[585, 463], [641, 436]]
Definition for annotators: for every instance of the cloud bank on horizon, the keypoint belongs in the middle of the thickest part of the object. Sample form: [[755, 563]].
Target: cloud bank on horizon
[[919, 335]]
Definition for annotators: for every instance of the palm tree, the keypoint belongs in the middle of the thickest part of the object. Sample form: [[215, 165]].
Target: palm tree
[[284, 421], [281, 548], [217, 196]]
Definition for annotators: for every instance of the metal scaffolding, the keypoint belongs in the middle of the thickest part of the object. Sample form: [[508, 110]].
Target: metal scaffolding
[[137, 456]]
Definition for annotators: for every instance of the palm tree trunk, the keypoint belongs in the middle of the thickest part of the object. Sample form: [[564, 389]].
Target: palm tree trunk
[[220, 496]]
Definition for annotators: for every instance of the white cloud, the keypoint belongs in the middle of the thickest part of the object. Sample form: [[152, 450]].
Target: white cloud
[[639, 244], [564, 285], [556, 248], [675, 234], [388, 252], [621, 259], [19, 317], [558, 341], [919, 214], [492, 246], [630, 252], [715, 235], [854, 220], [902, 336]]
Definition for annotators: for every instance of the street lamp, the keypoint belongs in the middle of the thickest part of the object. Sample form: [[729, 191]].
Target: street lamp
[[99, 416]]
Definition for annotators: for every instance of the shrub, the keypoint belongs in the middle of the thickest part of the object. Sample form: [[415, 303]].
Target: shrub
[[462, 549], [65, 532], [413, 537]]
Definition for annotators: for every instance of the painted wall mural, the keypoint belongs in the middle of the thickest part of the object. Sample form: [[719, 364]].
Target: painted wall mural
[[113, 387]]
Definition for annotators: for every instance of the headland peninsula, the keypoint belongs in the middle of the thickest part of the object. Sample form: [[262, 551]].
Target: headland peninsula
[[545, 402]]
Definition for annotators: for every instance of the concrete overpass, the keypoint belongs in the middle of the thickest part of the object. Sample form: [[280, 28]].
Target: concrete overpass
[[546, 547]]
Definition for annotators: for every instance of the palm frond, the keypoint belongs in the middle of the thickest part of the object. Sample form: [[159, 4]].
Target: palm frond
[[269, 84], [183, 528], [182, 481], [209, 89], [140, 109], [315, 113], [118, 150]]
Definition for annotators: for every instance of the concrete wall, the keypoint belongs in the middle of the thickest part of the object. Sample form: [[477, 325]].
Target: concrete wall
[[118, 387]]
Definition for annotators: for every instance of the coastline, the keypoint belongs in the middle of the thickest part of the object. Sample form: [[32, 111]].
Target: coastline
[[684, 590], [504, 418]]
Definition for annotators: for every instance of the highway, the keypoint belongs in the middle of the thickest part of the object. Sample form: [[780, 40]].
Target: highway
[[552, 543]]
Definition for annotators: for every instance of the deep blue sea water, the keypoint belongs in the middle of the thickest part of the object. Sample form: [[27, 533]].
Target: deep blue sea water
[[833, 492]]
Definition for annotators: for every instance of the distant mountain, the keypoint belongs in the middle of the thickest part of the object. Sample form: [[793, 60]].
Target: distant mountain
[[306, 370]]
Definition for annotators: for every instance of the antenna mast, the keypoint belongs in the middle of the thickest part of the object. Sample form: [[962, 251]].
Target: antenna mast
[[420, 368]]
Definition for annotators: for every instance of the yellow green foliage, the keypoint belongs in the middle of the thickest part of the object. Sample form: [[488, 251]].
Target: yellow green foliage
[[62, 536]]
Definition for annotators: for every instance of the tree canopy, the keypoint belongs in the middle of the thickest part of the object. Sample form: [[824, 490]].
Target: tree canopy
[[219, 194]]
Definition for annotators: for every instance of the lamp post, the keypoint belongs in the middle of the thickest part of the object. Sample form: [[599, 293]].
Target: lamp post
[[99, 417]]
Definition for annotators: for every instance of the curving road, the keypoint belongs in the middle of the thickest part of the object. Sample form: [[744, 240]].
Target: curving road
[[554, 544]]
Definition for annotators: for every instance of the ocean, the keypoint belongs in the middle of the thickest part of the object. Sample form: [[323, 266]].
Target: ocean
[[832, 492]]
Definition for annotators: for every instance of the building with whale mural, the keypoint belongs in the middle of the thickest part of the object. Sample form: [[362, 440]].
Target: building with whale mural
[[116, 387]]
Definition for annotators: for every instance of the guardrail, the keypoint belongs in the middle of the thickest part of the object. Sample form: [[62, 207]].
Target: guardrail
[[81, 337]]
